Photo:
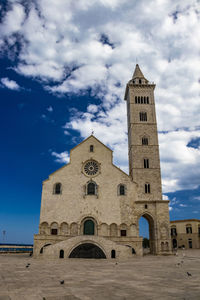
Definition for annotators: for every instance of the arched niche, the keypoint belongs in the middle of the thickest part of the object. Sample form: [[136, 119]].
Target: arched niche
[[44, 228], [54, 228], [104, 230], [113, 230], [74, 229], [64, 228], [132, 230]]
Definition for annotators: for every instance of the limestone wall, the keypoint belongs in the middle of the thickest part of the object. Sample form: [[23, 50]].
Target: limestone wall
[[73, 205]]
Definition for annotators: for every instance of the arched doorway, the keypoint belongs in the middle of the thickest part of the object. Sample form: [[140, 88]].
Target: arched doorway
[[147, 231], [88, 228], [174, 243], [113, 254], [87, 250], [61, 254]]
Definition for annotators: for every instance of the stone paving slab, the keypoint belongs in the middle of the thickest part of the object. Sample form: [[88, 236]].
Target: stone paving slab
[[148, 277]]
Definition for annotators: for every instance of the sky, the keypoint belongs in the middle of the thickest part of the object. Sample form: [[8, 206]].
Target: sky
[[64, 66]]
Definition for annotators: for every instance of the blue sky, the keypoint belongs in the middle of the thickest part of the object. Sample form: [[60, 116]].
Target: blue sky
[[64, 67]]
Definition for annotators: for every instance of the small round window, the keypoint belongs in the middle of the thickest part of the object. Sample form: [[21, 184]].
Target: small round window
[[91, 168]]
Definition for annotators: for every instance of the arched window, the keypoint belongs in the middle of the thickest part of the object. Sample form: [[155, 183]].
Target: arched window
[[143, 116], [57, 188], [139, 100], [147, 188], [113, 254], [188, 228], [136, 100], [91, 148], [173, 231], [61, 254], [140, 81], [145, 141], [122, 189], [146, 163], [190, 243], [91, 188], [147, 100]]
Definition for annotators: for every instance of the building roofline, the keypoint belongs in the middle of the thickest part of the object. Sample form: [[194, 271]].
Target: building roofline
[[77, 146], [88, 139], [185, 220]]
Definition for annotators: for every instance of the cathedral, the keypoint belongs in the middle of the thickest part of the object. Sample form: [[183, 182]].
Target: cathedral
[[90, 208]]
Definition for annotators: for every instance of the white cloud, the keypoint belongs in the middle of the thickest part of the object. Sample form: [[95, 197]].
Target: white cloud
[[92, 108], [62, 44], [183, 205], [197, 198], [10, 84], [66, 132], [13, 20], [179, 163], [50, 108], [165, 197], [62, 157]]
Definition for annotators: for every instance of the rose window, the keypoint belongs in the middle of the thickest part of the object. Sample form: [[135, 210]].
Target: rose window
[[91, 168]]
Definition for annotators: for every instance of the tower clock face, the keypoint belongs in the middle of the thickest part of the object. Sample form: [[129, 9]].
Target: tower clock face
[[91, 168]]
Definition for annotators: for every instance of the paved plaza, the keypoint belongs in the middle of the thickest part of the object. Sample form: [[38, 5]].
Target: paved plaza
[[148, 277]]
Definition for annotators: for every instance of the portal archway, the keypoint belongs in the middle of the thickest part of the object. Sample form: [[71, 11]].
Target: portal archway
[[87, 250], [151, 232]]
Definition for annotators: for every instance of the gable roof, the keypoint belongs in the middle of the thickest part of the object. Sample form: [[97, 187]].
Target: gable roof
[[91, 136]]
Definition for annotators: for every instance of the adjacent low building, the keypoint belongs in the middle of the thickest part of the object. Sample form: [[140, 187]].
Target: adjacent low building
[[185, 233]]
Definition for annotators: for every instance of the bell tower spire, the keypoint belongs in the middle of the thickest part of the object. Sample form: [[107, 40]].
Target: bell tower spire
[[144, 161], [138, 73]]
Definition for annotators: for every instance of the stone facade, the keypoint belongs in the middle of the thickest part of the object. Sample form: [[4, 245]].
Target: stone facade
[[91, 208], [185, 234]]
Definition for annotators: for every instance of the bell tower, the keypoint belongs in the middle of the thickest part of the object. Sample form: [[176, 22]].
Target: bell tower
[[144, 160]]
